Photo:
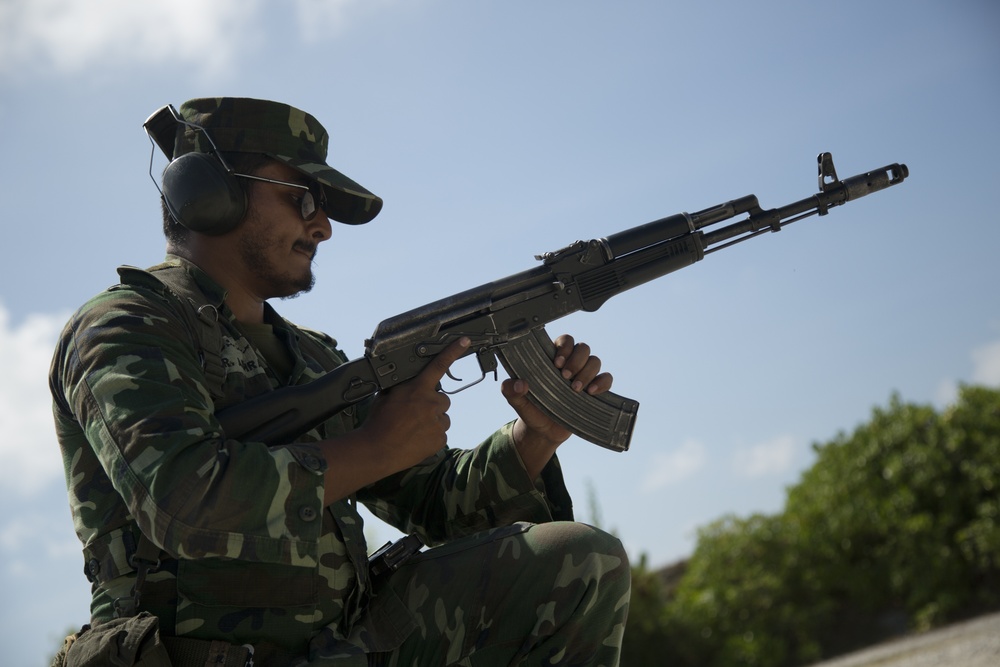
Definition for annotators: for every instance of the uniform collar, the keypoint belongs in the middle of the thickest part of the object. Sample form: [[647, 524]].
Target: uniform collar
[[214, 293]]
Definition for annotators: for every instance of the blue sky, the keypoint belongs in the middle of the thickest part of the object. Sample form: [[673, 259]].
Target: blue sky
[[497, 131]]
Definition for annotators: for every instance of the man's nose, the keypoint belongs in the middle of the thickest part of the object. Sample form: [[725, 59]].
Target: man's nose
[[320, 228]]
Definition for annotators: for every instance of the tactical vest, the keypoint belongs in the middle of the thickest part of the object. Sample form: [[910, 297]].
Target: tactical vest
[[127, 551]]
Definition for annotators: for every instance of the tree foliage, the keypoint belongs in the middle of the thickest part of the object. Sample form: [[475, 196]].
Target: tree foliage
[[895, 526]]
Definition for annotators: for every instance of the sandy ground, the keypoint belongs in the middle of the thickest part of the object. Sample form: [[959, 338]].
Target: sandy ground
[[974, 643]]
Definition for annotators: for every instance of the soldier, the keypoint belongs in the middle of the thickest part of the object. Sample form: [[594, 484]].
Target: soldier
[[209, 550]]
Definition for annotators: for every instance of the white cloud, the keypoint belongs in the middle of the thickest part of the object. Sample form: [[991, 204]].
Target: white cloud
[[985, 371], [29, 538], [767, 458], [27, 437], [675, 466], [947, 393], [73, 35], [986, 364], [318, 19]]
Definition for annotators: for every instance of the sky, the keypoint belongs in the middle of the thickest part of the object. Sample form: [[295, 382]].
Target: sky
[[495, 131]]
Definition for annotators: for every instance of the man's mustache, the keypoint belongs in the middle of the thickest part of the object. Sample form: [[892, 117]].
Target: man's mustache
[[305, 246]]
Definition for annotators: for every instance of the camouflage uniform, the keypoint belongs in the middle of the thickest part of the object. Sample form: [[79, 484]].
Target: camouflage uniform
[[249, 553]]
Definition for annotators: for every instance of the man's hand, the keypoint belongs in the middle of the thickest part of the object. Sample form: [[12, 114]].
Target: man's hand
[[407, 424], [535, 434], [411, 419]]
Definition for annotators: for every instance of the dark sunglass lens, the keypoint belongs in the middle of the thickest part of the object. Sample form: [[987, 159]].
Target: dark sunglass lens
[[308, 206]]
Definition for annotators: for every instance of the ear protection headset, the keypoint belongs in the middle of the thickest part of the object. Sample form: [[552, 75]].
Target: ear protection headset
[[199, 190]]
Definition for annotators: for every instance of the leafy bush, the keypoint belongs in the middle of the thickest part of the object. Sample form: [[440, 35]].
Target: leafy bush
[[903, 513], [896, 525], [647, 630]]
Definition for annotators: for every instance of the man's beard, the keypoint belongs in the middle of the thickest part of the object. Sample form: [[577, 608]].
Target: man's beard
[[281, 282]]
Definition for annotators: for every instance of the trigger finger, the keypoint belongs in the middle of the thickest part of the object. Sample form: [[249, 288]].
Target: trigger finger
[[439, 365]]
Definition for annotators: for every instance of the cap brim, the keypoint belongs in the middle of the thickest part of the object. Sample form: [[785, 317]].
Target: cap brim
[[346, 201]]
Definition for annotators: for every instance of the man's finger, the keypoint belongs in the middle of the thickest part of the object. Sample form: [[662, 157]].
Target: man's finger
[[439, 365], [564, 348]]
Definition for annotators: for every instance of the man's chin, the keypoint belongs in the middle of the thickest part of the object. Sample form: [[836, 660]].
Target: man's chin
[[300, 287]]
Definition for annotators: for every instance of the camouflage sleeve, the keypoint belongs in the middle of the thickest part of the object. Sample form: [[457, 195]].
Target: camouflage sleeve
[[127, 373], [462, 491]]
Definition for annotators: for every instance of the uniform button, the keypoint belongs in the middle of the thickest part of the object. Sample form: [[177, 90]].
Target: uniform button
[[307, 513], [311, 462]]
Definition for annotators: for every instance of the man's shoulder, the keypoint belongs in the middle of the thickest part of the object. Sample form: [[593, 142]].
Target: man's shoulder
[[169, 282], [138, 294], [122, 318]]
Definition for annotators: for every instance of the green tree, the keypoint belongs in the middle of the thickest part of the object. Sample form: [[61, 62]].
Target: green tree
[[746, 598], [903, 512], [648, 638], [898, 520]]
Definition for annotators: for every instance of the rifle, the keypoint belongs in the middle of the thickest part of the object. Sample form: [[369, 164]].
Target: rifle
[[506, 319]]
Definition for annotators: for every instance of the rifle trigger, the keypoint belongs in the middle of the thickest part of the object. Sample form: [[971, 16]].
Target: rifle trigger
[[487, 364]]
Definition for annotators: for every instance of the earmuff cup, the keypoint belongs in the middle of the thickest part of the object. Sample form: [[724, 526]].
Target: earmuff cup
[[202, 195]]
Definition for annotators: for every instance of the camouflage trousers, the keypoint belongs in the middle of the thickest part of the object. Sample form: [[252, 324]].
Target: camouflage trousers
[[528, 594]]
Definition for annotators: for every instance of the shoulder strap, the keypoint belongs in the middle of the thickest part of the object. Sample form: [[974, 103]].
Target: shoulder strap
[[201, 319], [145, 560], [200, 316]]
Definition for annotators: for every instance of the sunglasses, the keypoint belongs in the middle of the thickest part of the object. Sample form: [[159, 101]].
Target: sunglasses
[[311, 201]]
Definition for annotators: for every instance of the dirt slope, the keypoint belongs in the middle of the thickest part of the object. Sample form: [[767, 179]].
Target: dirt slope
[[974, 643]]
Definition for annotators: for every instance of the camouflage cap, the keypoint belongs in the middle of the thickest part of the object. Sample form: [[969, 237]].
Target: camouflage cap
[[245, 125]]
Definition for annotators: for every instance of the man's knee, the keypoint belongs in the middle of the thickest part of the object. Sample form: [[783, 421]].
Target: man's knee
[[591, 585], [571, 536], [584, 555]]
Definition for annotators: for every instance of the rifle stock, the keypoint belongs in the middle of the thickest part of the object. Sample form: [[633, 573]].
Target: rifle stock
[[506, 319]]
